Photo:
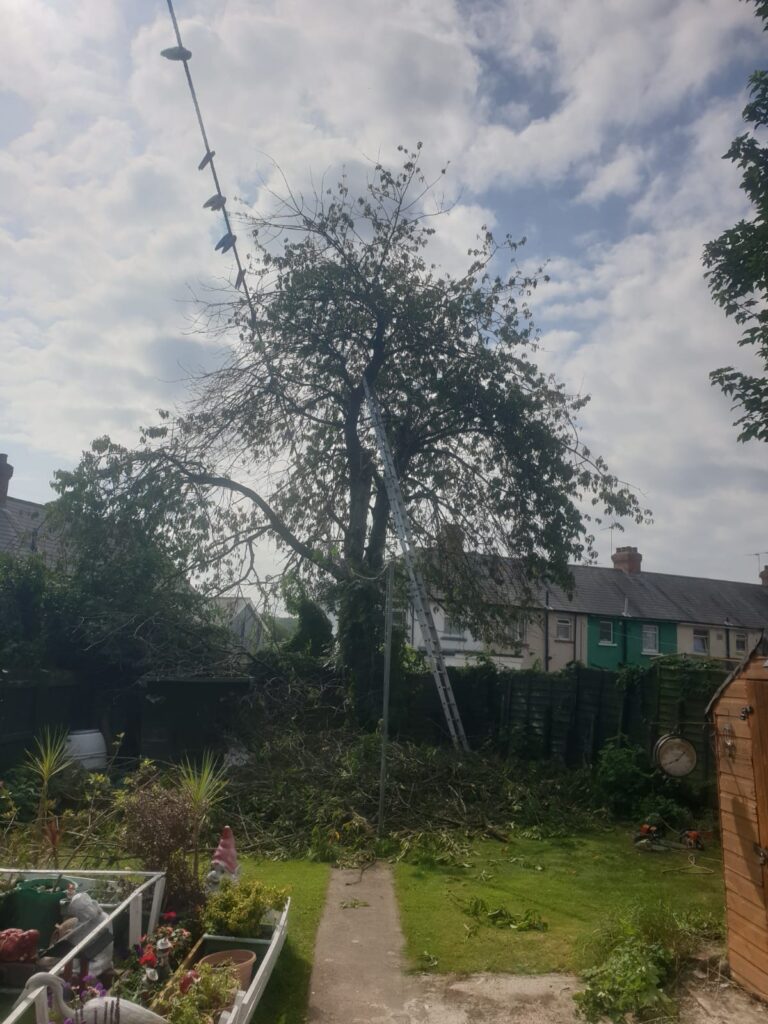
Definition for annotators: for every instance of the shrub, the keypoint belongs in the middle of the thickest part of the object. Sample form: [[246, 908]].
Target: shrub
[[629, 981], [658, 809], [635, 955], [157, 824], [238, 909], [158, 828], [622, 778]]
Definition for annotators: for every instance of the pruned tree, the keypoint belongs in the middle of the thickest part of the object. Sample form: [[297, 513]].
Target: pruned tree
[[278, 443], [737, 265]]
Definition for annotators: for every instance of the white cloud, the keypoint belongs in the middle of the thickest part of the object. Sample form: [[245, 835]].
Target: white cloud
[[653, 335], [621, 176], [102, 234]]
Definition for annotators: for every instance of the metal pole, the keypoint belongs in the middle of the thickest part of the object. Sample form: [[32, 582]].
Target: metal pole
[[388, 616]]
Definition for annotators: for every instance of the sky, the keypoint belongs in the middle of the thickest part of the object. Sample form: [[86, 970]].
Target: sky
[[595, 128]]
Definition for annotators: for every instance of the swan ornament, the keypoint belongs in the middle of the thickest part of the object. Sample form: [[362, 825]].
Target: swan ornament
[[102, 1010]]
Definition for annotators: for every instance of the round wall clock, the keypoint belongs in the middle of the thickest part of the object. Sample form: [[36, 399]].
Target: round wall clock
[[675, 755]]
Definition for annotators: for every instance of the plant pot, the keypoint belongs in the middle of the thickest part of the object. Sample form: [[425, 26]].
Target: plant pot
[[243, 959]]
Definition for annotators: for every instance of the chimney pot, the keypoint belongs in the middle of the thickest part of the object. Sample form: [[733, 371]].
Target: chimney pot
[[6, 472], [764, 576], [627, 559]]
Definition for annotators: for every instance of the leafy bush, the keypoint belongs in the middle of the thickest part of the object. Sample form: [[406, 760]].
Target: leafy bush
[[157, 824], [159, 829], [629, 981], [238, 909], [658, 809], [635, 956], [623, 777]]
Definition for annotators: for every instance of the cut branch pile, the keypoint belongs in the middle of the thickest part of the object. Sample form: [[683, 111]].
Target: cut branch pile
[[317, 795]]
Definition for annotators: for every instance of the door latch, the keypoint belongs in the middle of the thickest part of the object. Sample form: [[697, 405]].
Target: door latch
[[745, 712], [762, 853]]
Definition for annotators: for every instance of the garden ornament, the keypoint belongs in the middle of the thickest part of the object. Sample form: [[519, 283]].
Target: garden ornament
[[89, 914], [163, 947], [16, 945], [109, 1008], [224, 861]]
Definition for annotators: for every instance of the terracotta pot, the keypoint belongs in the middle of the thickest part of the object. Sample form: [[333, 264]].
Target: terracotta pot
[[243, 959]]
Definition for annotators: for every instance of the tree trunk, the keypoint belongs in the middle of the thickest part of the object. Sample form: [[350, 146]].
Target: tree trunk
[[361, 611]]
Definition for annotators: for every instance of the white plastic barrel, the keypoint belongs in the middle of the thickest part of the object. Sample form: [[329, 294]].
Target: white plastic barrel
[[88, 747]]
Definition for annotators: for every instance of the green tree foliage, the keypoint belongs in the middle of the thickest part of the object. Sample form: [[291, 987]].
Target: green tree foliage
[[737, 265], [128, 592], [278, 442], [117, 606], [314, 633]]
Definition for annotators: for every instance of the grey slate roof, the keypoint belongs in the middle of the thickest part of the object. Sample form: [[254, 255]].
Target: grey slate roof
[[23, 530], [652, 596], [656, 595]]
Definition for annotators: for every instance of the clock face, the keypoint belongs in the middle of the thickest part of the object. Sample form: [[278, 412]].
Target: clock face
[[675, 756]]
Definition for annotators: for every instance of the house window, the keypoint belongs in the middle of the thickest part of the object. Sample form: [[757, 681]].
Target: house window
[[452, 628], [563, 629], [520, 630], [650, 639], [701, 641], [606, 631], [740, 643]]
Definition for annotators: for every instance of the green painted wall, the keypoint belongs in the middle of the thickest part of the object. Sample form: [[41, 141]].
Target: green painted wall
[[612, 656]]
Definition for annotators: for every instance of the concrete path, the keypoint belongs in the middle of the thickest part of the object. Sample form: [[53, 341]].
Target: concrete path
[[359, 974]]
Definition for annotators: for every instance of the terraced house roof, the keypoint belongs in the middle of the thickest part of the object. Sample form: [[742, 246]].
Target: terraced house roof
[[615, 592], [656, 595]]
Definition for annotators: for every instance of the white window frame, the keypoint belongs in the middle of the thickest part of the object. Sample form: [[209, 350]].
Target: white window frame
[[740, 642], [520, 630], [452, 630], [568, 623], [702, 635], [600, 640], [645, 647]]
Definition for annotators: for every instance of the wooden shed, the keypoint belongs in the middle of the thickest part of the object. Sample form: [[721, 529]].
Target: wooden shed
[[739, 711]]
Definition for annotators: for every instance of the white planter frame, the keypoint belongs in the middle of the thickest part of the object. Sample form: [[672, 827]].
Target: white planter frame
[[246, 1002], [153, 883]]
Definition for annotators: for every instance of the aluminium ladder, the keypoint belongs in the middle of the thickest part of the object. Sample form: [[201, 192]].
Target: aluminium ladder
[[418, 589]]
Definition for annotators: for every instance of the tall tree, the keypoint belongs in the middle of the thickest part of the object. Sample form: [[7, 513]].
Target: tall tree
[[278, 442], [737, 265]]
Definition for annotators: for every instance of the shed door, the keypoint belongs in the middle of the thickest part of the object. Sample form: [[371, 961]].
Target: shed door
[[741, 719]]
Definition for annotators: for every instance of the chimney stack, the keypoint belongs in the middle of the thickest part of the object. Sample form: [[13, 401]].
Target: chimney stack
[[764, 576], [6, 472], [627, 559]]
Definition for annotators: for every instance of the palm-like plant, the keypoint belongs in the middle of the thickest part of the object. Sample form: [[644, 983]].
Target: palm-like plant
[[50, 759], [204, 785]]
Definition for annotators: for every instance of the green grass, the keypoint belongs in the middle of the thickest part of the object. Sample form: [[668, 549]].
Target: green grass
[[286, 995], [580, 882]]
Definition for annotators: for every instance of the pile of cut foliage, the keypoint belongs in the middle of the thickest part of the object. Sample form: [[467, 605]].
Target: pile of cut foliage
[[317, 795]]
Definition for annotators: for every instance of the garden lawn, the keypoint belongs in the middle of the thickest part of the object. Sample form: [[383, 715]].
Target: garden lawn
[[572, 883], [286, 995]]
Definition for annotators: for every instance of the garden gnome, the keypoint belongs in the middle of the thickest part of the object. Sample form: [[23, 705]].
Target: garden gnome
[[224, 861]]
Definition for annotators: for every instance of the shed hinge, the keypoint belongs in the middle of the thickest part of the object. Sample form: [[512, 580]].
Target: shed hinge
[[745, 712], [762, 853]]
